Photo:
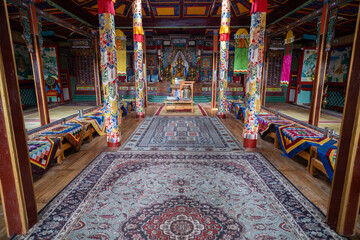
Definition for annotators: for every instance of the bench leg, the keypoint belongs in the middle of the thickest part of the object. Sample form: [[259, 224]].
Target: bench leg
[[60, 153], [312, 169]]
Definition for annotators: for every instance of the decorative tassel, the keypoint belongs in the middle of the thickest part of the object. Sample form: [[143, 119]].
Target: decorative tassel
[[106, 6], [258, 6]]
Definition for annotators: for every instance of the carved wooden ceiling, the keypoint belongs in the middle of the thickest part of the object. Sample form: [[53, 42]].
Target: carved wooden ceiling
[[161, 17]]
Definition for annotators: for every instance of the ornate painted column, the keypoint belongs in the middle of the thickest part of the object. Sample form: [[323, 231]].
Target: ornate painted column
[[224, 56], [109, 71], [138, 59], [199, 48], [253, 82], [159, 55]]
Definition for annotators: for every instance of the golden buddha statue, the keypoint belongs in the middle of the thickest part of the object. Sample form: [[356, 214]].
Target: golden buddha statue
[[179, 68]]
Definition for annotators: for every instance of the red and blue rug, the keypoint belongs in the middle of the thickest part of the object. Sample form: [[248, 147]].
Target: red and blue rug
[[183, 196], [182, 134]]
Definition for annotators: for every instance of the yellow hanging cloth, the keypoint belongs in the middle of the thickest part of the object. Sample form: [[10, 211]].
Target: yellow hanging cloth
[[121, 52]]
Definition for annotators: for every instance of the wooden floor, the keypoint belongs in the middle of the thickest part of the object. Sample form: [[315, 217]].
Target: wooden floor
[[316, 190]]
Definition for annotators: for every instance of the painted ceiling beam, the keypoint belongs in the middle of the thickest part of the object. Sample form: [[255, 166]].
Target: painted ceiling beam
[[212, 8], [75, 11], [186, 22], [287, 9], [181, 8], [308, 18], [150, 8], [301, 6], [51, 18]]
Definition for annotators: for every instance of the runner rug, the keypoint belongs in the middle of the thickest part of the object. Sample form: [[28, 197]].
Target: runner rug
[[165, 195], [182, 134]]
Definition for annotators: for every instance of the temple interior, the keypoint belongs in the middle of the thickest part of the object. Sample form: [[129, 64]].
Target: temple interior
[[179, 119]]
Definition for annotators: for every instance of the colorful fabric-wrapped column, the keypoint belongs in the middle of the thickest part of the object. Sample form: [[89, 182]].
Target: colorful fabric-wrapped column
[[108, 72], [253, 82], [121, 52], [138, 59], [241, 51], [224, 56], [286, 68]]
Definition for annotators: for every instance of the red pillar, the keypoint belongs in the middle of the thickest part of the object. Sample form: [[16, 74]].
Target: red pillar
[[37, 67], [96, 71], [344, 200], [15, 175], [214, 69], [320, 69]]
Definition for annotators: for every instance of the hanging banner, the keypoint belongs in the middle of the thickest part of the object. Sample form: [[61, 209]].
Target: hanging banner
[[286, 69], [241, 51], [120, 52]]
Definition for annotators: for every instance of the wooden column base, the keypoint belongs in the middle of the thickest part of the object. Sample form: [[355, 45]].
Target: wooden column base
[[222, 115], [250, 143], [140, 115], [113, 145]]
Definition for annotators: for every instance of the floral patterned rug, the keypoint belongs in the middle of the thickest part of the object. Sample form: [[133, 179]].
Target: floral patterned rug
[[182, 196], [182, 134]]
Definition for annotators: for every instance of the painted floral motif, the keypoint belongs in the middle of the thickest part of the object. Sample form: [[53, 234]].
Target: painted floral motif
[[109, 77], [253, 82], [224, 55], [138, 58]]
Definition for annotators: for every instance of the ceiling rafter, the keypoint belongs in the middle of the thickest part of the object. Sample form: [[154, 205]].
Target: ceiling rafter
[[77, 11], [212, 8], [181, 8], [150, 8]]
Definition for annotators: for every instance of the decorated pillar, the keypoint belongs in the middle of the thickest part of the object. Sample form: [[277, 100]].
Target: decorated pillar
[[138, 58], [159, 56], [33, 39], [109, 72], [253, 82], [241, 51], [214, 69], [199, 48], [224, 56], [286, 68], [121, 54]]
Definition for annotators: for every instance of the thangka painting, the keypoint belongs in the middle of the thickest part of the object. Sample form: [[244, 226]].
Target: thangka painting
[[50, 63], [339, 64], [206, 63], [151, 62], [23, 63], [308, 66]]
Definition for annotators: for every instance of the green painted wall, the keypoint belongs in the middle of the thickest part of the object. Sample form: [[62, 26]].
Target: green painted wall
[[278, 98], [304, 97], [79, 98]]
